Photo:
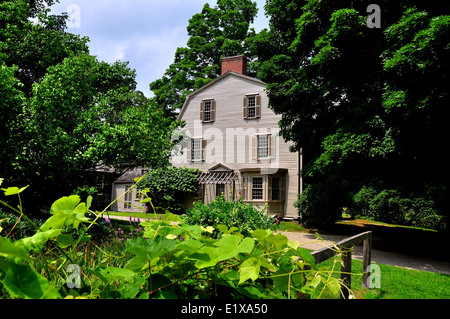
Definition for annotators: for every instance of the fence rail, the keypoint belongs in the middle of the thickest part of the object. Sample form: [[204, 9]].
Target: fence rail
[[345, 247]]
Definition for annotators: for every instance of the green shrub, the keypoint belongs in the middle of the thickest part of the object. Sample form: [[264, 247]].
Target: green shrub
[[361, 202], [169, 259], [169, 186], [244, 217], [317, 206], [390, 206]]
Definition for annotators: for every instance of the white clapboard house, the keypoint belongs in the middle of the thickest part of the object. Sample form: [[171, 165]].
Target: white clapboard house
[[232, 136]]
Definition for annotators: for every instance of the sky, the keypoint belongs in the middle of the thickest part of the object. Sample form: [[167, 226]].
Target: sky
[[146, 33]]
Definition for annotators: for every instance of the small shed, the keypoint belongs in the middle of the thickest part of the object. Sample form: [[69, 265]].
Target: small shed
[[127, 200]]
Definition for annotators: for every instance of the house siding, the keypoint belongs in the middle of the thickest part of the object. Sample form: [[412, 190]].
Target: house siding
[[230, 138]]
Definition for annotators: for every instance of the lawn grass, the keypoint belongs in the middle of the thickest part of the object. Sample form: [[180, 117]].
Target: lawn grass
[[291, 227], [398, 283]]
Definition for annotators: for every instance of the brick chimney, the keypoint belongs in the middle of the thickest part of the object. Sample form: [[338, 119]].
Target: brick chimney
[[236, 64]]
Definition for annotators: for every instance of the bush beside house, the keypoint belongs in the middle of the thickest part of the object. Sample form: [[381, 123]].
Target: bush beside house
[[168, 187], [244, 217]]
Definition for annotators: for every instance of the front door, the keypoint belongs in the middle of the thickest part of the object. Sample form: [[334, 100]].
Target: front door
[[220, 189]]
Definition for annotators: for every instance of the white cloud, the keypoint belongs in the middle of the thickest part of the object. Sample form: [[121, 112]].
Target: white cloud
[[144, 32]]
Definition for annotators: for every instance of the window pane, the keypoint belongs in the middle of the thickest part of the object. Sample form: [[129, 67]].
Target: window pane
[[127, 199], [251, 112], [263, 146], [251, 103], [207, 111], [196, 150], [257, 191]]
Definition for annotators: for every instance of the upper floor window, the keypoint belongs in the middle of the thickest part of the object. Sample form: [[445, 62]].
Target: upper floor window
[[263, 145], [197, 149], [252, 106], [208, 111]]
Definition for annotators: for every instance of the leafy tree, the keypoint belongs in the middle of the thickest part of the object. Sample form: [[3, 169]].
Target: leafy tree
[[34, 46], [214, 33], [364, 105], [64, 112], [11, 102], [96, 117]]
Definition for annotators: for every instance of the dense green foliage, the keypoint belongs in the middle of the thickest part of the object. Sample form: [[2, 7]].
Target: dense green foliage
[[163, 258], [242, 217], [104, 121], [168, 187], [390, 207], [34, 46], [366, 106], [64, 114], [214, 33]]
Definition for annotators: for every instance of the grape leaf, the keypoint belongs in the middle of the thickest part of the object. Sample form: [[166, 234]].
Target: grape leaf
[[249, 269], [21, 281]]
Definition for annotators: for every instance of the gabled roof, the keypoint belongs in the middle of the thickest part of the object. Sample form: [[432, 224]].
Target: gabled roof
[[229, 73], [220, 168]]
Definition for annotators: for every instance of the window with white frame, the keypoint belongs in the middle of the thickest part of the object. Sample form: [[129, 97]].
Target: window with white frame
[[196, 149], [263, 145], [128, 197], [257, 188]]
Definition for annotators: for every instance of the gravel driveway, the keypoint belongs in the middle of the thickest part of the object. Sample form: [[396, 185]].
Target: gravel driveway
[[309, 241]]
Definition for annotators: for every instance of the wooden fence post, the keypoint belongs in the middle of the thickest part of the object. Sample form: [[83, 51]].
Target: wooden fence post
[[346, 271], [367, 256], [346, 246]]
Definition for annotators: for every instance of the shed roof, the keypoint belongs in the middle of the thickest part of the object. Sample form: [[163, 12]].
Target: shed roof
[[130, 175]]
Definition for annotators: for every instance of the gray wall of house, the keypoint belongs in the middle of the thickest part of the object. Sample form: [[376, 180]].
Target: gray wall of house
[[230, 138]]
